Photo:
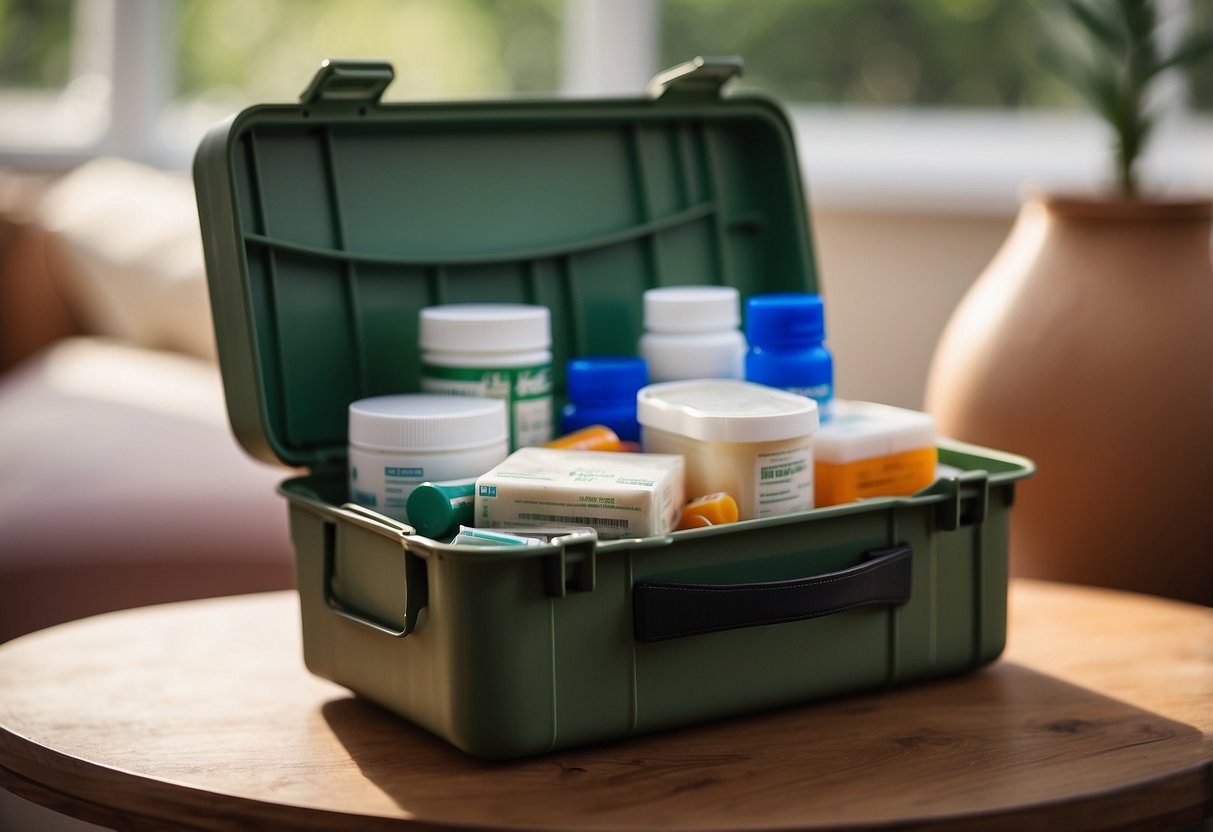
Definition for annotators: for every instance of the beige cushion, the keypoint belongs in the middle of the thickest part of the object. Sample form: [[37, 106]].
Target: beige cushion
[[132, 239], [121, 485]]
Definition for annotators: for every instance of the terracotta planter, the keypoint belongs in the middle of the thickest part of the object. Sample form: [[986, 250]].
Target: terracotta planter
[[1087, 345]]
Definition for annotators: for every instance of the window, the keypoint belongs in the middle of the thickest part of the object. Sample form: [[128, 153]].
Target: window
[[939, 103], [963, 54], [35, 42], [901, 102], [50, 92], [178, 66]]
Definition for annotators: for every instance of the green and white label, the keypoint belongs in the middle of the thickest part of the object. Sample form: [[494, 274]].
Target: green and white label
[[527, 392], [784, 481]]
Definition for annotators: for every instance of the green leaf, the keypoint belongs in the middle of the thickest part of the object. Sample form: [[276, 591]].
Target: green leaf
[[1107, 32], [1197, 47], [1062, 65], [1099, 88], [1144, 127], [1140, 21]]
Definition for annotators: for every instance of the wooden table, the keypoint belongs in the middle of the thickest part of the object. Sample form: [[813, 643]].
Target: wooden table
[[200, 715]]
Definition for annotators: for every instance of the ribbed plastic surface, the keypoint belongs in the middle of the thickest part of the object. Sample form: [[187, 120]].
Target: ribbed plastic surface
[[329, 226], [486, 327], [426, 422], [678, 309], [606, 379], [784, 320]]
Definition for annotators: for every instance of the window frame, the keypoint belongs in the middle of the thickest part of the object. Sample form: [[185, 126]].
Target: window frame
[[856, 159]]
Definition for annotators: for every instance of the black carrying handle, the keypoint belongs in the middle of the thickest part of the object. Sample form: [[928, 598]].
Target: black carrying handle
[[666, 610]]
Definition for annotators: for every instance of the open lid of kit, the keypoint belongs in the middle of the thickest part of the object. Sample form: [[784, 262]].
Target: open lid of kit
[[328, 224]]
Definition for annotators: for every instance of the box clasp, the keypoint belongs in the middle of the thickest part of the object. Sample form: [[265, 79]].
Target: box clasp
[[701, 78], [967, 499], [349, 80], [574, 568]]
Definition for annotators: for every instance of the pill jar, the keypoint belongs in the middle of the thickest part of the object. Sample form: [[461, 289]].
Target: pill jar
[[692, 332], [785, 332], [602, 391], [399, 442], [497, 351], [751, 441]]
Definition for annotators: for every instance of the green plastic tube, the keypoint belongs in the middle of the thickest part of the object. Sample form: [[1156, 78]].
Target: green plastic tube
[[435, 508]]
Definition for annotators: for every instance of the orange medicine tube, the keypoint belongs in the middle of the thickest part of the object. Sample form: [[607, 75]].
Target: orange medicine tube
[[709, 510], [592, 438]]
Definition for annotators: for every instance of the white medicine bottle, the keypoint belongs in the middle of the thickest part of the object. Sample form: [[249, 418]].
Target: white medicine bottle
[[495, 350], [693, 332]]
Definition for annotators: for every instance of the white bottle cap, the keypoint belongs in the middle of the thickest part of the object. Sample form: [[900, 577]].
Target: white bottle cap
[[692, 309], [694, 355], [426, 422], [486, 327], [721, 410]]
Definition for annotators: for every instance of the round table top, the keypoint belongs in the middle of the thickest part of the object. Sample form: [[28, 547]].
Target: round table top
[[201, 715]]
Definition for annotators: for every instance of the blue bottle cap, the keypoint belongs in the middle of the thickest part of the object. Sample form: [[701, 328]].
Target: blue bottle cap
[[784, 320], [606, 379]]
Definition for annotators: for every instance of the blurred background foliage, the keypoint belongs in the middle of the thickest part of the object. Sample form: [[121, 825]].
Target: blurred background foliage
[[891, 53], [258, 51], [900, 53], [35, 43]]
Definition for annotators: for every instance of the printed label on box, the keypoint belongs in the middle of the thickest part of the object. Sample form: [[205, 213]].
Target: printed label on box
[[785, 481]]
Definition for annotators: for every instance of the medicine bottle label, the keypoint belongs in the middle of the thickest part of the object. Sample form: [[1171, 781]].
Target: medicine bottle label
[[818, 392], [784, 481], [527, 392], [385, 488]]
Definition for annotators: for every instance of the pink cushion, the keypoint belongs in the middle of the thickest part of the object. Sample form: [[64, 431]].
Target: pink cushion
[[121, 485]]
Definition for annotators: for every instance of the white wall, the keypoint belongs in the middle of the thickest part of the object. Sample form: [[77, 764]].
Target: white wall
[[890, 281]]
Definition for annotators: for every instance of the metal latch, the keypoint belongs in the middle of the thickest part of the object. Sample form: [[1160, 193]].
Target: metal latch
[[701, 78], [349, 80]]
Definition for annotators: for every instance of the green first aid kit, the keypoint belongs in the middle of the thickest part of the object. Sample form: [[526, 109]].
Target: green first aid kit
[[330, 223]]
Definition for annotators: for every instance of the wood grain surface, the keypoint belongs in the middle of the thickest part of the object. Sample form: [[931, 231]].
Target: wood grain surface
[[200, 715]]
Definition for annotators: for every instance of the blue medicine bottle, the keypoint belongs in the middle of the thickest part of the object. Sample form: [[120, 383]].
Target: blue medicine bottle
[[785, 332], [602, 391]]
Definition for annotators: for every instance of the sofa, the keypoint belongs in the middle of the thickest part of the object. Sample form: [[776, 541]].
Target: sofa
[[120, 481]]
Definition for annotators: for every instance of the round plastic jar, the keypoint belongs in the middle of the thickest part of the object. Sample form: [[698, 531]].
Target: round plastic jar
[[785, 332], [399, 442], [692, 332], [602, 391], [496, 351], [747, 440]]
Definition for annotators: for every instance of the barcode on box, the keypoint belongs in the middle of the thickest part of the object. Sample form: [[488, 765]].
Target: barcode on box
[[603, 522]]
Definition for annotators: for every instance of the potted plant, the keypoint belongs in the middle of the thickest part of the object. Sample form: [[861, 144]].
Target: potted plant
[[1124, 61], [1087, 344]]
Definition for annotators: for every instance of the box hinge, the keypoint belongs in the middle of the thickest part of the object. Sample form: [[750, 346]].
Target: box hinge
[[701, 79], [349, 80]]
